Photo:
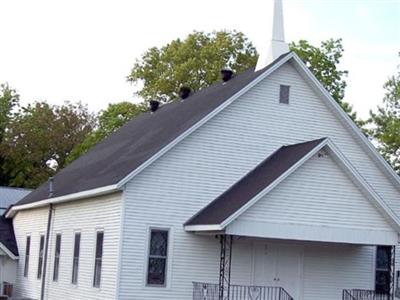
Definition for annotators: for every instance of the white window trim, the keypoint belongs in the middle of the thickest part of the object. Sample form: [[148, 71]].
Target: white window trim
[[168, 271], [54, 257], [97, 288], [30, 254], [279, 94], [75, 231], [38, 252]]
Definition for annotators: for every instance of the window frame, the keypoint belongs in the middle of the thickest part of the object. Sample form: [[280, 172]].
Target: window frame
[[28, 243], [42, 238], [75, 268], [150, 229], [94, 285], [386, 270], [56, 261], [281, 87]]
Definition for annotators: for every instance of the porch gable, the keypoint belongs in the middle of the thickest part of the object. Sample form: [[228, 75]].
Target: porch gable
[[317, 202], [318, 197]]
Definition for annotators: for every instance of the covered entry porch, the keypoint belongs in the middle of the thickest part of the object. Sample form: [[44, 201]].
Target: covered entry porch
[[303, 222], [271, 269]]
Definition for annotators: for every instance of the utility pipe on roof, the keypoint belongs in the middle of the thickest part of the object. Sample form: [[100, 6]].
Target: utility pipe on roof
[[46, 247], [46, 250]]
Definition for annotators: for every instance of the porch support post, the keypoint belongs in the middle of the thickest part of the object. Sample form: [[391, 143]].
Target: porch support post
[[225, 267]]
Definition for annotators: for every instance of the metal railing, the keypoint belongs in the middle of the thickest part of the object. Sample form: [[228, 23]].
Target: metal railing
[[357, 294], [209, 291]]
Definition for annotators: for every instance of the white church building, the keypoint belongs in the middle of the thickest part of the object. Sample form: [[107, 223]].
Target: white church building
[[259, 187]]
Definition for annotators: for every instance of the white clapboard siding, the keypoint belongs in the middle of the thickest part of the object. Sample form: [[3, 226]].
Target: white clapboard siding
[[318, 195], [331, 268], [85, 216], [31, 222], [211, 159]]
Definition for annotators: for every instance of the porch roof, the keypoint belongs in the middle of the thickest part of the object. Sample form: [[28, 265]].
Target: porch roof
[[223, 214], [253, 183]]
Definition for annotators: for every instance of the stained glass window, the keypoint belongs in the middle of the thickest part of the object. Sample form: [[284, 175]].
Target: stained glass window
[[157, 264]]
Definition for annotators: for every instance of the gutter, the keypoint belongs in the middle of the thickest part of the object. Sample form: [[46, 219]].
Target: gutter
[[61, 199]]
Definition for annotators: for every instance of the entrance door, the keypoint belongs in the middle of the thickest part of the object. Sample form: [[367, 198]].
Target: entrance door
[[278, 265]]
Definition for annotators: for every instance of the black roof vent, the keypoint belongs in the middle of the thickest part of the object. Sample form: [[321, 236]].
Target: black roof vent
[[227, 74], [184, 92], [154, 105]]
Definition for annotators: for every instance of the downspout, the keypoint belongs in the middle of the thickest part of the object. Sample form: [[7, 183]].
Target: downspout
[[46, 247]]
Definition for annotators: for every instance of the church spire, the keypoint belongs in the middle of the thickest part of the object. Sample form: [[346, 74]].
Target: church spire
[[277, 45]]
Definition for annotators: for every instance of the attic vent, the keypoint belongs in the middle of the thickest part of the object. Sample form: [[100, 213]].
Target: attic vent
[[284, 94]]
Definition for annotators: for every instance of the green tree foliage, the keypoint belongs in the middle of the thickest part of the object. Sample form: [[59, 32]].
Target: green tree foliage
[[41, 134], [9, 99], [109, 120], [323, 62], [195, 62], [386, 122]]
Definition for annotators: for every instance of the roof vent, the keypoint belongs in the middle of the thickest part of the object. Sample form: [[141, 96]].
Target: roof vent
[[154, 105], [227, 74], [51, 187], [184, 92]]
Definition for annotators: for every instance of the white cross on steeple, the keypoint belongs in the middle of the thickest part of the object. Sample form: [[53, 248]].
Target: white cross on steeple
[[277, 45]]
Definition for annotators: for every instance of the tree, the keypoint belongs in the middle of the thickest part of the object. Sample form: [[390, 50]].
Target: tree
[[9, 99], [386, 122], [195, 62], [323, 63], [109, 121], [39, 139]]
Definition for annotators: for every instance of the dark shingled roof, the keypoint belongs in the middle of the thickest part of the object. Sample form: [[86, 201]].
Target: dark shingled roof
[[7, 237], [137, 141], [252, 183], [11, 195]]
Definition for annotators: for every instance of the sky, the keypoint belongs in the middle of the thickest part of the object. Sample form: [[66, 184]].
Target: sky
[[82, 50]]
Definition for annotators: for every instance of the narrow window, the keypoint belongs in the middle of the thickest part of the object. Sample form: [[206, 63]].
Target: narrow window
[[75, 262], [57, 258], [383, 269], [157, 263], [27, 254], [40, 261], [98, 259], [284, 94]]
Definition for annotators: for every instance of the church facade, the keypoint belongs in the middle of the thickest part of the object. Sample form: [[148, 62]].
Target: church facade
[[258, 187]]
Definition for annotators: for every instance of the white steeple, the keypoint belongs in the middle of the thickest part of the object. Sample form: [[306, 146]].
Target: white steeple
[[277, 45]]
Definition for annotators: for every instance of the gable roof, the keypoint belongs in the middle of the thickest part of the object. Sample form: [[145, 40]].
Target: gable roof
[[117, 159], [10, 195], [128, 148], [253, 183], [266, 176], [7, 238]]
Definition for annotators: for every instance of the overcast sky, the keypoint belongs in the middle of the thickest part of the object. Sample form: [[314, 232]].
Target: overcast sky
[[57, 50]]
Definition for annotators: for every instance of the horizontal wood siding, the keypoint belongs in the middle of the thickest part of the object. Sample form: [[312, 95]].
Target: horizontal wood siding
[[210, 160], [319, 193], [85, 216], [331, 268], [31, 222]]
